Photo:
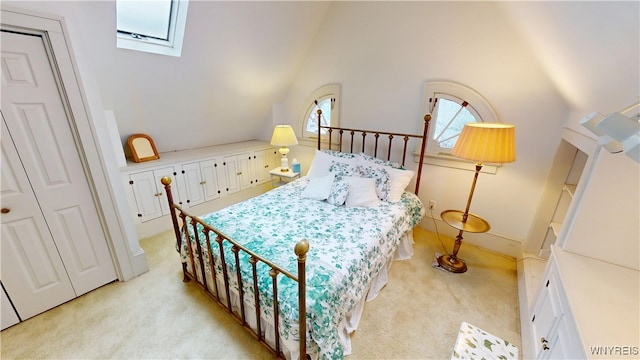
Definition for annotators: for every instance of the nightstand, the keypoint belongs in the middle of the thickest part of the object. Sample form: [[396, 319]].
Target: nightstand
[[279, 177]]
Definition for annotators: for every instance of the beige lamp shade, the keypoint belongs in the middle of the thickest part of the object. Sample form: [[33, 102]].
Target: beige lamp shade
[[283, 135], [486, 142]]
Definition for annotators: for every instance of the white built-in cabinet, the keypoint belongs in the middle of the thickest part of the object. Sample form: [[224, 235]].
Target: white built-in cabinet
[[150, 200], [571, 317], [197, 176], [579, 288], [553, 326]]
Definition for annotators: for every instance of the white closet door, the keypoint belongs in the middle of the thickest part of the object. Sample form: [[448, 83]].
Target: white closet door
[[32, 271], [36, 118]]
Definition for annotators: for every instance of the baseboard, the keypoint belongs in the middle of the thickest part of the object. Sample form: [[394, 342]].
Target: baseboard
[[140, 265], [489, 240]]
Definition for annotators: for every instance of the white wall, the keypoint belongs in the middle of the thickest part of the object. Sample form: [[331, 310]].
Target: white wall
[[590, 49], [238, 59], [382, 53], [607, 224], [542, 65]]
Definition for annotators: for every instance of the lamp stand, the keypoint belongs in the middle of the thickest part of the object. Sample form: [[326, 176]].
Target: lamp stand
[[463, 221], [284, 161]]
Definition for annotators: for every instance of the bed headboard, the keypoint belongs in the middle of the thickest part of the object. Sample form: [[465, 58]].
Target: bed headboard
[[375, 136]]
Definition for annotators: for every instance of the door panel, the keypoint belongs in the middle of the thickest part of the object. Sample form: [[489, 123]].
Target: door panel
[[144, 190], [232, 173], [210, 176], [245, 165], [162, 196], [192, 180], [32, 270]]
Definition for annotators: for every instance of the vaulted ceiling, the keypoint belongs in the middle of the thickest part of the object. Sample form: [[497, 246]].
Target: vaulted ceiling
[[241, 60]]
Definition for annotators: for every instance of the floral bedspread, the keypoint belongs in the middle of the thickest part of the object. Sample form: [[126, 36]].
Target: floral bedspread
[[348, 247]]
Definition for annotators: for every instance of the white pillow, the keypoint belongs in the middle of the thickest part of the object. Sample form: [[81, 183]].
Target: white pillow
[[399, 179], [318, 188], [383, 180], [322, 162], [362, 192]]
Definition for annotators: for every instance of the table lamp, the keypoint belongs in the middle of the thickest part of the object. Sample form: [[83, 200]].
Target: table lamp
[[283, 136]]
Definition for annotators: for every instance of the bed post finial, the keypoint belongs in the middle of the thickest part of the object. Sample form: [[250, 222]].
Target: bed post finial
[[301, 249], [165, 180]]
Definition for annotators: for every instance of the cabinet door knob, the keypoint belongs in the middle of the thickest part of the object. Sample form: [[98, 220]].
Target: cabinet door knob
[[544, 343], [202, 182], [240, 173], [5, 210]]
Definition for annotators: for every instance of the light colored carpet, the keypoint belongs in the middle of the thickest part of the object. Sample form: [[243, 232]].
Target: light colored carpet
[[416, 316]]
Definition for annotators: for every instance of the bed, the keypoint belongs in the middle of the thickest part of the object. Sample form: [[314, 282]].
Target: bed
[[303, 258]]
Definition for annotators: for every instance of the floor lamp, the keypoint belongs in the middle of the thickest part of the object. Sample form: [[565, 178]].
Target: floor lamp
[[479, 142]]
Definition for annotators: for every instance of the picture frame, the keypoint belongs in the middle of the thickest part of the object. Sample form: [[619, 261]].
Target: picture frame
[[142, 148]]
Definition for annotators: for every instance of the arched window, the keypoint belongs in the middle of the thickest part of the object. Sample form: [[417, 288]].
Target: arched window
[[326, 99], [451, 105]]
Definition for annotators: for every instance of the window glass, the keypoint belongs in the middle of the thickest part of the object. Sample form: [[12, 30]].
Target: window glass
[[327, 99], [144, 18], [452, 105], [155, 26], [450, 114], [325, 118]]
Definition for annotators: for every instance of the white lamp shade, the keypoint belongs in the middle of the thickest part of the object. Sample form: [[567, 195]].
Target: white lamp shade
[[283, 135], [486, 142]]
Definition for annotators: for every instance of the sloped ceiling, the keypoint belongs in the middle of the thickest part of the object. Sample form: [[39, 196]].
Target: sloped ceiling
[[591, 50], [240, 58]]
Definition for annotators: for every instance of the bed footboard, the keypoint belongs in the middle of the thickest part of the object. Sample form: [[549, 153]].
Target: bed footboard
[[214, 238]]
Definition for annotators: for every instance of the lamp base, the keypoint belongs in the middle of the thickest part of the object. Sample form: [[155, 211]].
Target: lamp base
[[452, 264], [284, 163]]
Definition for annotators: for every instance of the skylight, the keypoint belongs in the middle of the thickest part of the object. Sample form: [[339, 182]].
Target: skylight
[[144, 18], [155, 26]]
